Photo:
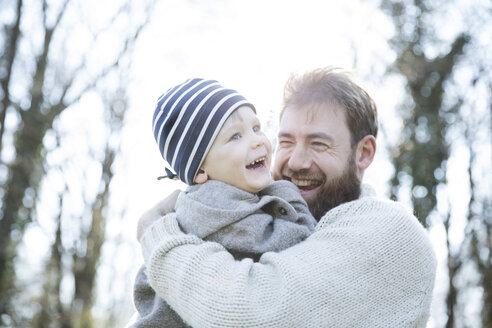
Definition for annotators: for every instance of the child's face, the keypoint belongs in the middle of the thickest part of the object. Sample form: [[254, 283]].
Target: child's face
[[241, 153]]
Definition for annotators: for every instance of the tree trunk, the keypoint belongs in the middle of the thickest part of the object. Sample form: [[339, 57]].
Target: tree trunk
[[454, 264], [10, 50]]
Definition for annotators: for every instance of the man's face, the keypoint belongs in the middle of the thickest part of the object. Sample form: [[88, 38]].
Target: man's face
[[241, 153], [315, 153]]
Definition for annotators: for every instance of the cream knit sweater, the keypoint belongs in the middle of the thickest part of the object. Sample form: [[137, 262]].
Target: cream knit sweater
[[368, 264]]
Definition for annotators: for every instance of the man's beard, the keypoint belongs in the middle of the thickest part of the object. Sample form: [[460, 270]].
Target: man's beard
[[338, 191]]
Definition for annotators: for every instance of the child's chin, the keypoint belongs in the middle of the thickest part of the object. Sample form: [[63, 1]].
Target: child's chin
[[257, 186], [265, 182]]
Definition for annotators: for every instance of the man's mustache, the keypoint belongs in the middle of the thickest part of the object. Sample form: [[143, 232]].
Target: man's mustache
[[303, 175]]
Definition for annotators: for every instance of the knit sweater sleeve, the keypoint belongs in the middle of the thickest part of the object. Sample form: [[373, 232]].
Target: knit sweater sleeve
[[369, 264]]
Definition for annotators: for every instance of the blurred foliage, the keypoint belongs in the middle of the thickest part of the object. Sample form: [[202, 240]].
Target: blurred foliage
[[447, 113], [44, 73]]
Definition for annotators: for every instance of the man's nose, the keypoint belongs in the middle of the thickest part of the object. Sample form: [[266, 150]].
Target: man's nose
[[299, 159]]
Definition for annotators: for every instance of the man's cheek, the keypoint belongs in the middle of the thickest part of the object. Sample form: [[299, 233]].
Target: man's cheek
[[275, 174], [276, 169]]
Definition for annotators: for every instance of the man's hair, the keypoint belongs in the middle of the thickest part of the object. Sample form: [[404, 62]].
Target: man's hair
[[333, 86]]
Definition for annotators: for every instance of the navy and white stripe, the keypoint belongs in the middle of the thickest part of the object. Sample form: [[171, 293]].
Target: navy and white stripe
[[188, 118]]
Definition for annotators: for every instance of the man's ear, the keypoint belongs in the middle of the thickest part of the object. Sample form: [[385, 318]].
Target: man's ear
[[201, 176], [366, 149]]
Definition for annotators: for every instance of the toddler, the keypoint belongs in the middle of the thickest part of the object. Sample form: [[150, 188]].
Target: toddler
[[211, 137]]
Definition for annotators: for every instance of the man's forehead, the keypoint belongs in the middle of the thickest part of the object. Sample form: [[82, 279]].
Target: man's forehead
[[311, 114], [307, 135]]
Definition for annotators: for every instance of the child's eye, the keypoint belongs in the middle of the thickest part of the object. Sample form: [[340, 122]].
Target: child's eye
[[256, 129], [235, 136]]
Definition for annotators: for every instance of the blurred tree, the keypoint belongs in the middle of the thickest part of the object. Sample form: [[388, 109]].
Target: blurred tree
[[51, 308], [11, 38], [86, 254], [85, 266], [442, 61], [44, 71], [422, 149], [478, 244]]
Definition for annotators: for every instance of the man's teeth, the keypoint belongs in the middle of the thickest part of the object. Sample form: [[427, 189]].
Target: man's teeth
[[305, 183]]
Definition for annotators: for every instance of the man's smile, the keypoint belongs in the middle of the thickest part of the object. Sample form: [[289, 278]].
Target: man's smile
[[306, 184]]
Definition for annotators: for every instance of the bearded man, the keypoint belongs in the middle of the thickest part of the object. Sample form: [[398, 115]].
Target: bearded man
[[368, 264]]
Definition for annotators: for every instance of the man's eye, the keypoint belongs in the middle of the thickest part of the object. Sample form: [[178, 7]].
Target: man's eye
[[285, 143], [319, 145]]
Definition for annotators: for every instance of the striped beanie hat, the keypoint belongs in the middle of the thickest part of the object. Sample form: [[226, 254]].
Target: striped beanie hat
[[186, 122]]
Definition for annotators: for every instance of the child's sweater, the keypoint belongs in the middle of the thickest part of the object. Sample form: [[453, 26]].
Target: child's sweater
[[248, 225]]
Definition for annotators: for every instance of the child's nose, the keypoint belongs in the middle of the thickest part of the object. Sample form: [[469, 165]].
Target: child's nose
[[257, 141]]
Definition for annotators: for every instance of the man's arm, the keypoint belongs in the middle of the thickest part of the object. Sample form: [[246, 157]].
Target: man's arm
[[160, 209], [356, 270]]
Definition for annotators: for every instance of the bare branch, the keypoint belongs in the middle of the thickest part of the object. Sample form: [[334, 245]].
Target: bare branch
[[60, 14], [128, 45]]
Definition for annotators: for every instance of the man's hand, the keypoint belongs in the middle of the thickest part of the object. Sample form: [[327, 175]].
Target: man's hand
[[162, 208]]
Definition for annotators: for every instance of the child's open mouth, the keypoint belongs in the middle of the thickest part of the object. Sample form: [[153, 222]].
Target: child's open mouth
[[256, 164]]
